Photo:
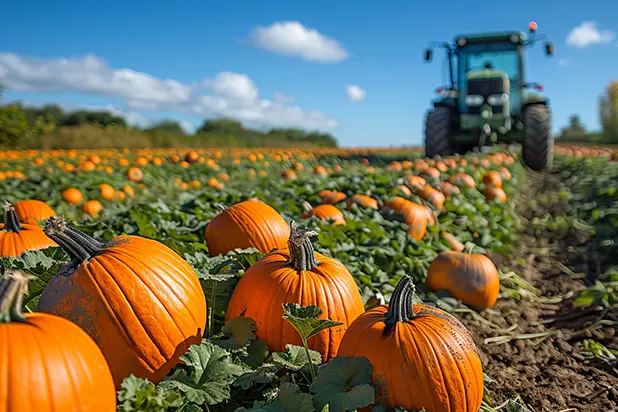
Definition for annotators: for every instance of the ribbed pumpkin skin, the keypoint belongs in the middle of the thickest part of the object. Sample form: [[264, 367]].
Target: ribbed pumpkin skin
[[271, 282], [48, 364], [29, 211], [428, 362], [471, 278], [141, 302], [245, 225], [30, 237]]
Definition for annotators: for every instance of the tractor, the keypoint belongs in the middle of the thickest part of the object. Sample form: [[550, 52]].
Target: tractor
[[489, 100]]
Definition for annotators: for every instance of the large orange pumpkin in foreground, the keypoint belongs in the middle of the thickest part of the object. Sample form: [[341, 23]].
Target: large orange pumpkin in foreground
[[422, 357], [138, 299], [244, 225], [16, 237], [47, 363], [470, 277], [31, 210], [297, 275]]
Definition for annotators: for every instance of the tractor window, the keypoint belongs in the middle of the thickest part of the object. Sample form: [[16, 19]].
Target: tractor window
[[506, 60]]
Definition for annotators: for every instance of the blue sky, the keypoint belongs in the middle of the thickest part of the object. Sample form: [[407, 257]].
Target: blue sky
[[220, 62]]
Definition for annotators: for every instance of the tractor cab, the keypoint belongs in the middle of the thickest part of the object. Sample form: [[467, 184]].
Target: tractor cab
[[488, 99]]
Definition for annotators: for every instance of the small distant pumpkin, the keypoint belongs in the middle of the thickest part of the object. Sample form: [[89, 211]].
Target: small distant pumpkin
[[363, 201], [492, 178], [493, 193], [324, 212], [72, 196], [92, 208], [135, 174], [331, 197], [414, 215]]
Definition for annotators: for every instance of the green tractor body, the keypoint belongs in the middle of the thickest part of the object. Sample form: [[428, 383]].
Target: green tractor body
[[488, 100]]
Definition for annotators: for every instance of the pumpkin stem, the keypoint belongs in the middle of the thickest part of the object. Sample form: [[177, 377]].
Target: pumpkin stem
[[76, 243], [13, 286], [400, 308], [220, 207], [469, 247], [302, 255], [11, 222]]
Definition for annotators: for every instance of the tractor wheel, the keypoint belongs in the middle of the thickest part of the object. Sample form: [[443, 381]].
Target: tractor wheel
[[538, 147], [438, 133]]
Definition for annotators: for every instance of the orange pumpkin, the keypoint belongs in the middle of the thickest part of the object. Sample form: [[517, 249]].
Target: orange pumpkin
[[297, 274], [492, 178], [449, 189], [16, 237], [48, 363], [247, 224], [107, 191], [139, 300], [422, 356], [363, 201], [331, 197], [434, 196], [416, 181], [413, 214], [72, 196], [135, 174], [471, 278], [453, 242], [289, 174], [492, 193], [463, 179], [324, 212], [29, 211], [92, 208]]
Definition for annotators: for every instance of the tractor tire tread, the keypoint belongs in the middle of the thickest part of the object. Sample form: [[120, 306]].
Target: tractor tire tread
[[538, 147], [438, 132]]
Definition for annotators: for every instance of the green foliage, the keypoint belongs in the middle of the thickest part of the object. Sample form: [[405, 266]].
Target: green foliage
[[13, 126]]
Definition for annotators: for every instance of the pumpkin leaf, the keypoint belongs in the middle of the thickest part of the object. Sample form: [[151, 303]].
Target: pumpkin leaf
[[263, 374], [289, 399], [207, 376], [295, 357], [138, 394], [237, 333], [305, 319], [344, 384], [257, 352]]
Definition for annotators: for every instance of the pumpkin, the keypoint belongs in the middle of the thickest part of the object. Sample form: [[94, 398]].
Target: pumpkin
[[48, 363], [494, 193], [363, 201], [107, 191], [135, 174], [449, 189], [16, 237], [331, 197], [324, 212], [492, 178], [431, 172], [139, 300], [72, 196], [414, 215], [416, 181], [505, 173], [30, 211], [247, 224], [422, 356], [463, 179], [296, 274], [469, 277], [92, 208], [434, 196], [404, 190]]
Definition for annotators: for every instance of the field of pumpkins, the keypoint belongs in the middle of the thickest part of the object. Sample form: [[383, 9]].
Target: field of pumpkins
[[333, 280]]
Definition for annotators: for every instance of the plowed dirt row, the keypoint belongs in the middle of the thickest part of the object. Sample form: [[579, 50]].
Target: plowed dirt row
[[529, 346]]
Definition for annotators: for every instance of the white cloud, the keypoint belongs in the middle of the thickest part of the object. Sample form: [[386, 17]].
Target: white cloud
[[355, 93], [587, 34], [282, 98], [563, 62], [230, 94], [291, 38], [187, 126]]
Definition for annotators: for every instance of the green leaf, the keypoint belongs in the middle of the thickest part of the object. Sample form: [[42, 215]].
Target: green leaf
[[263, 374], [137, 394], [207, 375], [293, 400], [295, 357], [344, 384], [305, 319], [237, 333]]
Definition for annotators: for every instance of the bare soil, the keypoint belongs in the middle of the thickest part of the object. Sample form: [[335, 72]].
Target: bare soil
[[546, 370]]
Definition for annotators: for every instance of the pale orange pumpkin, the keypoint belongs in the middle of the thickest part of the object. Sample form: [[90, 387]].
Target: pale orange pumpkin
[[31, 210]]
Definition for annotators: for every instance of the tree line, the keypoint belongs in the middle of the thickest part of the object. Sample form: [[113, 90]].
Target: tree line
[[51, 127], [575, 131]]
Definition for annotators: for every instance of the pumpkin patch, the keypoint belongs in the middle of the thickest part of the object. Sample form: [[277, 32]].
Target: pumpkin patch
[[298, 279]]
